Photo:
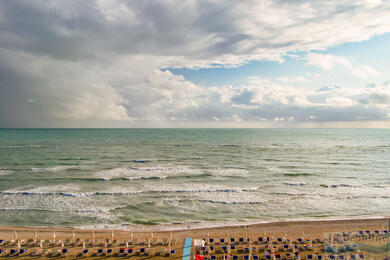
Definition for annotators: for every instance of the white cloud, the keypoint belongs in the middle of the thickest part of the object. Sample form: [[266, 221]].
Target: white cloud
[[330, 62], [104, 60], [340, 102]]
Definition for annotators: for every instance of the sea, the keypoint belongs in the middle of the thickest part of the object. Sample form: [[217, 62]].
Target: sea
[[105, 178]]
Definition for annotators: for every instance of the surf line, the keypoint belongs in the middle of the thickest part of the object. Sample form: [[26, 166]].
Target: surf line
[[187, 249]]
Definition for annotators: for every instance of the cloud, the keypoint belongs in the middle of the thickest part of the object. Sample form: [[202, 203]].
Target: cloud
[[330, 62], [98, 63]]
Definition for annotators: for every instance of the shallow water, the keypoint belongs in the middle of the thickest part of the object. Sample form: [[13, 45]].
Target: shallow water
[[106, 177]]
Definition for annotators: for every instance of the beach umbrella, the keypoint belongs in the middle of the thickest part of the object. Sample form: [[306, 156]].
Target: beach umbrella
[[83, 244], [127, 244], [40, 244], [93, 237], [73, 236], [105, 243], [18, 244], [54, 235], [15, 235], [62, 243], [112, 235], [36, 235], [131, 236], [227, 233]]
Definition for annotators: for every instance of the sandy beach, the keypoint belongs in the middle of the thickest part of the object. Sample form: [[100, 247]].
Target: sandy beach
[[155, 240]]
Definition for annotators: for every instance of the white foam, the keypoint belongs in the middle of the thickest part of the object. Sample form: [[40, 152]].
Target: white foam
[[196, 188], [55, 168], [5, 172], [228, 171], [133, 173]]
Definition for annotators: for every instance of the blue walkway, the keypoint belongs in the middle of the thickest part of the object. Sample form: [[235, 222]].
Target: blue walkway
[[187, 249]]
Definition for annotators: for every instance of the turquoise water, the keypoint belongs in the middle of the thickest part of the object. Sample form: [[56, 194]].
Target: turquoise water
[[116, 177]]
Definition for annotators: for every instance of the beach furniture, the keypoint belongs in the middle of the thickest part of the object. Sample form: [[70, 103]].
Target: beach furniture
[[122, 252], [246, 257], [234, 257], [149, 251], [232, 240], [22, 251], [2, 252], [213, 257], [64, 251], [141, 251], [241, 240], [85, 252], [109, 251]]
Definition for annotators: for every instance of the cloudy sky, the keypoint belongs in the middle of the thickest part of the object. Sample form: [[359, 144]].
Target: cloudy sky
[[195, 63]]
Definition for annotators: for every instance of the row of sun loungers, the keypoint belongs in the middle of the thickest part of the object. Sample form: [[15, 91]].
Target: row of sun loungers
[[88, 252], [291, 257]]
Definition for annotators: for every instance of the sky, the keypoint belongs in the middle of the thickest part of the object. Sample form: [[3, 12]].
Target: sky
[[195, 63]]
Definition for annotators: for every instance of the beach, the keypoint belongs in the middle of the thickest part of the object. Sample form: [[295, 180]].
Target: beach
[[153, 239]]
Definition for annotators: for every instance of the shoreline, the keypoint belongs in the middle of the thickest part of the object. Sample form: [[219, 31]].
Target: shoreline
[[198, 225]]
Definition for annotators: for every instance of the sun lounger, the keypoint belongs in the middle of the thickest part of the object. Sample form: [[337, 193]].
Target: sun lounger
[[213, 257], [246, 257], [85, 252], [109, 251], [234, 257], [149, 251], [2, 252], [172, 252]]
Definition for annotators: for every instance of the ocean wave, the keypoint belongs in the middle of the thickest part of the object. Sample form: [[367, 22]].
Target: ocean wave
[[67, 194], [74, 159], [56, 210], [6, 172], [17, 146], [233, 202], [298, 174], [55, 168], [295, 183], [135, 173]]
